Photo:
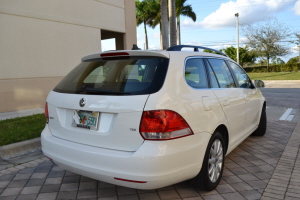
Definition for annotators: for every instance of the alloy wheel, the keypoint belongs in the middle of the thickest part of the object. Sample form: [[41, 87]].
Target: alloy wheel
[[215, 161]]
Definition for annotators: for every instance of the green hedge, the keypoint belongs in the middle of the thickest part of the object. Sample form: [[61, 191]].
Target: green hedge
[[275, 68]]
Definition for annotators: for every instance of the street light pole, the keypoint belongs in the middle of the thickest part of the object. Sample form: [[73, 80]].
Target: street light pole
[[237, 38]]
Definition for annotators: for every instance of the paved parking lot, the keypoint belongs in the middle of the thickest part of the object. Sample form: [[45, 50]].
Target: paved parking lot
[[261, 167]]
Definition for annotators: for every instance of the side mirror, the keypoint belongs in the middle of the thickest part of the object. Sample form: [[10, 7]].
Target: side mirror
[[259, 83]]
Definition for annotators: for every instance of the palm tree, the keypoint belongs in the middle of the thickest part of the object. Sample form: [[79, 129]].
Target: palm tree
[[155, 19], [164, 23], [154, 15], [172, 19], [185, 10], [148, 13], [154, 9], [142, 15]]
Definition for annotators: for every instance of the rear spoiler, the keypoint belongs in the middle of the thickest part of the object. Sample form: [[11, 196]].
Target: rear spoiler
[[111, 54]]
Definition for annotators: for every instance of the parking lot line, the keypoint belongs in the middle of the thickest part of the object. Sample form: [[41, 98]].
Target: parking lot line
[[286, 114], [290, 117]]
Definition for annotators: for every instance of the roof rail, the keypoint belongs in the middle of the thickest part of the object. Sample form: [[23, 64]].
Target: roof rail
[[196, 48]]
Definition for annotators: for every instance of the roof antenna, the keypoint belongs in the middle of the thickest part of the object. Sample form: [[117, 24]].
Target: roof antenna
[[135, 47]]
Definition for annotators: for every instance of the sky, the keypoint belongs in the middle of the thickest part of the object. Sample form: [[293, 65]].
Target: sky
[[215, 26]]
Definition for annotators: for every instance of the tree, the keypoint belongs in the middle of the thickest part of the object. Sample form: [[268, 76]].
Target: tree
[[297, 42], [279, 61], [273, 61], [185, 10], [265, 39], [153, 15], [164, 24], [245, 55], [293, 60], [210, 51], [146, 11], [172, 20], [142, 15]]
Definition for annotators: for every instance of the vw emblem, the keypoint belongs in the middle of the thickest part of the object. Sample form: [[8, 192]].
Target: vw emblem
[[82, 102]]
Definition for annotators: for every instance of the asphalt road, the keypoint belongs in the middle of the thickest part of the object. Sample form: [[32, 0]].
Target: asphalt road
[[281, 101]]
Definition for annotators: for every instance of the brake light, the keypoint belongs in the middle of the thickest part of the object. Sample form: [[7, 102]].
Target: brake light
[[163, 125], [46, 113], [114, 54]]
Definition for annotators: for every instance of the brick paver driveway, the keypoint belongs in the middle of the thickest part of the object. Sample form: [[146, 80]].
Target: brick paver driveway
[[260, 168]]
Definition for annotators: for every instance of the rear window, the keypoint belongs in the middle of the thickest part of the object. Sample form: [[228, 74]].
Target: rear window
[[122, 76]]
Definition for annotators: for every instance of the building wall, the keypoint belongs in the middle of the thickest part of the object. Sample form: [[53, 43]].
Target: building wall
[[42, 40], [130, 24]]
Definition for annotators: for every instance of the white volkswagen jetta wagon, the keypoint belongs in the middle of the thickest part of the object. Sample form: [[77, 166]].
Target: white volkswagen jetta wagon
[[149, 119]]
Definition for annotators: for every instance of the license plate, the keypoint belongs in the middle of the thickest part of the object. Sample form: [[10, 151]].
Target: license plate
[[85, 119]]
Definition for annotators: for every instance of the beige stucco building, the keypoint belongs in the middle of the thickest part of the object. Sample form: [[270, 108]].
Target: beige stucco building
[[42, 40]]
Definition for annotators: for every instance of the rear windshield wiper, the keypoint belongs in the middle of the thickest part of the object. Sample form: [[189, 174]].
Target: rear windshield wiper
[[100, 91]]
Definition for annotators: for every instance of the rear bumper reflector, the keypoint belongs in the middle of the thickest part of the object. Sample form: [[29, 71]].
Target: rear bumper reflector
[[132, 181], [49, 158]]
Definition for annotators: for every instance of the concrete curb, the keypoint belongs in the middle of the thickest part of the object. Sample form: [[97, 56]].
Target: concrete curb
[[281, 81], [20, 148], [20, 113]]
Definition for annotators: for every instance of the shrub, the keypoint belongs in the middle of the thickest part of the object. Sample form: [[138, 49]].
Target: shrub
[[274, 68]]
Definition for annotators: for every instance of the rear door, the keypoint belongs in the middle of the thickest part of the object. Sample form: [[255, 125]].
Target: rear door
[[100, 102], [231, 99], [251, 95]]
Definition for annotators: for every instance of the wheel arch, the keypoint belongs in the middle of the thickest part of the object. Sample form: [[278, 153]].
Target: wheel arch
[[224, 132]]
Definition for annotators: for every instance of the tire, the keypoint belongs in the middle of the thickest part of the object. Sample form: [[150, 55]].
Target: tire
[[262, 126], [213, 164]]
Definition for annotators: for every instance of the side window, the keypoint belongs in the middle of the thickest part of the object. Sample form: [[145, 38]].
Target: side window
[[213, 80], [241, 76], [195, 73], [222, 72]]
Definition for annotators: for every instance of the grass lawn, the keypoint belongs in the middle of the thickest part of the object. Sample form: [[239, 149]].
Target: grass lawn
[[21, 128], [275, 76]]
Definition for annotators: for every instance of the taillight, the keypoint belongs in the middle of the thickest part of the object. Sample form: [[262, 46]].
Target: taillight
[[46, 113], [163, 125]]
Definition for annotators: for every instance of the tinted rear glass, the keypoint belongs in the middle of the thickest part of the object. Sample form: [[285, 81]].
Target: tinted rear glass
[[128, 76]]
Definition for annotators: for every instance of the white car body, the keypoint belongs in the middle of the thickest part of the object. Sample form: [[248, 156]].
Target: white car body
[[117, 153]]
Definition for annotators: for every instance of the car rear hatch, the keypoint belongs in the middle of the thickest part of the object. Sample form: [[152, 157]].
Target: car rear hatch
[[101, 101]]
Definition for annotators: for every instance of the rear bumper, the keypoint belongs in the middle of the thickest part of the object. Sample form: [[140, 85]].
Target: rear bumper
[[157, 163]]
